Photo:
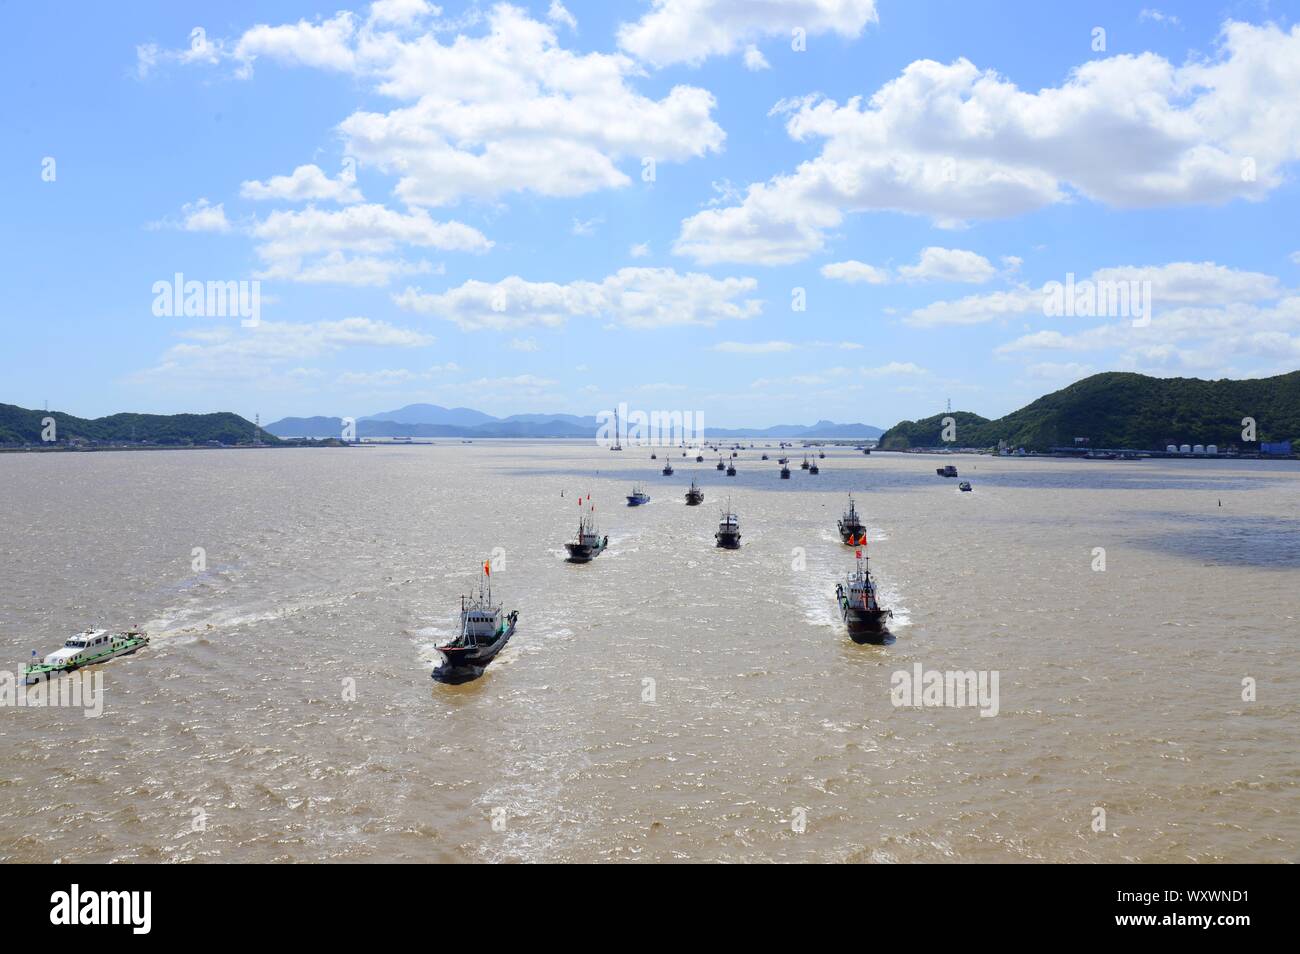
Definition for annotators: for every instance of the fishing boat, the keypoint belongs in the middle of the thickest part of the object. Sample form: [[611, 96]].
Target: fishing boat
[[859, 606], [866, 451], [948, 471], [965, 486], [617, 445], [814, 469], [721, 465], [484, 632], [668, 468], [785, 472], [821, 454], [699, 458], [637, 497], [850, 524], [694, 496], [728, 535], [805, 465], [783, 460], [87, 648], [764, 457], [654, 456], [731, 470], [589, 542]]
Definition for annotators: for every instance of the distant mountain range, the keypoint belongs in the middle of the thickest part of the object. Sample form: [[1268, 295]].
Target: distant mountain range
[[432, 420], [20, 425], [1125, 410]]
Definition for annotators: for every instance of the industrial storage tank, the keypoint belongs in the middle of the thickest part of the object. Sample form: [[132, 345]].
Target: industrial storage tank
[[1211, 448], [1185, 449], [1171, 449], [1198, 449]]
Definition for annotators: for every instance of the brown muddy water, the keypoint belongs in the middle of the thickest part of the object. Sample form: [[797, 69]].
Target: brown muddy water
[[669, 701]]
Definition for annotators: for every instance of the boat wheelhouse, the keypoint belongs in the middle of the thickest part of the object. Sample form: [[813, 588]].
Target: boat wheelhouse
[[637, 497]]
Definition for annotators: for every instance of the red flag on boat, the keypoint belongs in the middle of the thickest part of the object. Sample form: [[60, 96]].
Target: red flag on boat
[[859, 554], [487, 567]]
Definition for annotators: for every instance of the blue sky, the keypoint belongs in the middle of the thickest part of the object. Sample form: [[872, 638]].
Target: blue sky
[[451, 204]]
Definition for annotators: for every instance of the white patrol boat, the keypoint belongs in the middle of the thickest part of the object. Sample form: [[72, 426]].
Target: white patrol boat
[[86, 649]]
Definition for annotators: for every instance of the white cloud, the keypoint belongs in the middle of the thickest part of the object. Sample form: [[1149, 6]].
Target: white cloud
[[954, 143], [587, 227], [484, 116], [753, 347], [894, 368], [558, 15], [198, 216], [251, 354], [304, 184], [1189, 283], [755, 60], [934, 264], [401, 12], [631, 297], [948, 265], [524, 344], [1155, 16], [854, 271], [640, 250], [311, 244], [326, 44], [688, 31]]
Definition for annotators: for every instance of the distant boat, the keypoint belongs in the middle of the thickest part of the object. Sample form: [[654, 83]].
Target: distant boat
[[821, 454], [721, 465], [964, 485], [814, 469], [699, 458], [731, 470], [668, 468], [728, 535], [694, 496], [637, 497], [764, 457], [785, 472], [654, 456], [948, 471], [484, 632], [805, 465]]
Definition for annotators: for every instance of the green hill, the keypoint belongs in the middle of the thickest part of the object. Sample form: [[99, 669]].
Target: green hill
[[1125, 410], [19, 425]]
